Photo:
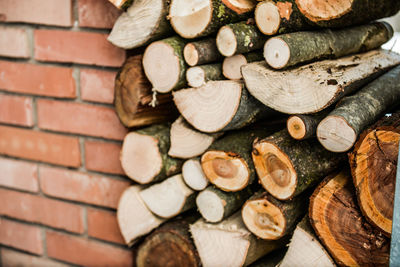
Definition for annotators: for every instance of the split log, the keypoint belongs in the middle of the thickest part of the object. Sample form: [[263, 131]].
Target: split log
[[187, 142], [314, 87], [169, 245], [294, 48], [197, 18], [279, 16], [238, 38], [344, 13], [302, 126], [270, 260], [164, 65], [201, 52], [286, 167], [338, 223], [339, 130], [214, 204], [219, 106], [199, 75], [143, 22], [133, 96], [305, 249], [193, 174], [231, 66], [121, 4], [134, 218], [144, 155], [229, 243], [373, 166], [169, 198], [271, 219]]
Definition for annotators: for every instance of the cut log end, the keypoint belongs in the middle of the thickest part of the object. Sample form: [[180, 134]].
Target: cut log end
[[264, 219], [195, 77], [267, 17], [227, 171], [276, 173], [210, 206], [296, 127], [240, 6], [276, 53], [193, 175], [231, 66], [226, 41], [335, 134], [140, 157], [191, 55], [324, 10]]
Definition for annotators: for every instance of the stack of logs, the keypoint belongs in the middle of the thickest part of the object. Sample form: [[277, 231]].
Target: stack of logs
[[232, 70]]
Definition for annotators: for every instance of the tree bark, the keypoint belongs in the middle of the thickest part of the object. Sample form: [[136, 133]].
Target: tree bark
[[314, 87], [339, 130], [336, 218], [199, 75], [287, 167], [294, 48], [201, 52], [302, 127], [270, 260], [373, 166]]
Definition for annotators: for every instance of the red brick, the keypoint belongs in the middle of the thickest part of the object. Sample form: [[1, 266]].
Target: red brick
[[21, 236], [103, 225], [33, 208], [77, 47], [14, 42], [81, 187], [97, 14], [97, 86], [19, 174], [29, 144], [103, 157], [49, 12], [37, 80], [14, 258], [16, 110], [79, 118], [85, 252]]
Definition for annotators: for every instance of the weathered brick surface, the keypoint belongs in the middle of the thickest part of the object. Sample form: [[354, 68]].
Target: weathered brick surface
[[103, 157], [16, 110], [97, 85], [103, 225], [97, 13], [14, 42], [17, 259], [19, 174]]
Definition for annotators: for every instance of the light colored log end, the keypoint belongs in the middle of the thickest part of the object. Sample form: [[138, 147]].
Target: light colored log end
[[195, 77], [193, 175], [276, 53], [226, 41], [210, 206], [191, 54], [240, 6], [296, 127], [231, 66], [267, 17]]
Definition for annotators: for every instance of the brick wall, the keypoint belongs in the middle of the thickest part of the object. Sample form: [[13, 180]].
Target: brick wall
[[60, 176]]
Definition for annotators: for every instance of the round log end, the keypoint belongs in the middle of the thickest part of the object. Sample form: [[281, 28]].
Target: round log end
[[316, 10], [227, 171], [231, 66], [267, 17], [240, 6], [210, 206], [276, 53], [296, 127], [226, 41], [195, 77], [193, 175], [191, 54]]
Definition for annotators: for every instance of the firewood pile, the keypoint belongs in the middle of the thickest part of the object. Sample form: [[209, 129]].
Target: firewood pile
[[258, 131]]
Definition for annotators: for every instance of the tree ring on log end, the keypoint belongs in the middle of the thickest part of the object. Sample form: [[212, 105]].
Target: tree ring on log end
[[210, 206], [267, 17], [317, 10], [191, 55], [226, 41], [296, 127], [276, 53]]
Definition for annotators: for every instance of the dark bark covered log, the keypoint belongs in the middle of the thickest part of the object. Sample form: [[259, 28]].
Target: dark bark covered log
[[271, 219], [170, 245], [373, 165], [293, 48], [129, 31], [270, 260], [199, 75], [133, 97], [144, 155], [338, 222], [286, 167], [238, 38], [314, 87], [201, 52], [339, 130], [231, 66], [302, 126]]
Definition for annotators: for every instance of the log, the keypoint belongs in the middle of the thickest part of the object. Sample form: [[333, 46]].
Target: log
[[271, 219], [238, 38], [314, 87], [215, 205], [219, 106], [133, 96], [373, 166], [197, 18], [134, 218], [231, 66], [294, 48], [286, 167], [229, 243], [344, 13], [187, 142], [164, 65], [169, 198], [169, 245], [303, 126], [305, 249], [193, 175], [144, 155], [279, 16], [338, 223], [121, 4], [270, 260], [201, 52], [339, 130], [143, 22], [199, 75]]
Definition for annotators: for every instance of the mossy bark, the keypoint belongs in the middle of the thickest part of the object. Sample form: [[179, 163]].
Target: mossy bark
[[207, 51], [212, 72], [253, 56]]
